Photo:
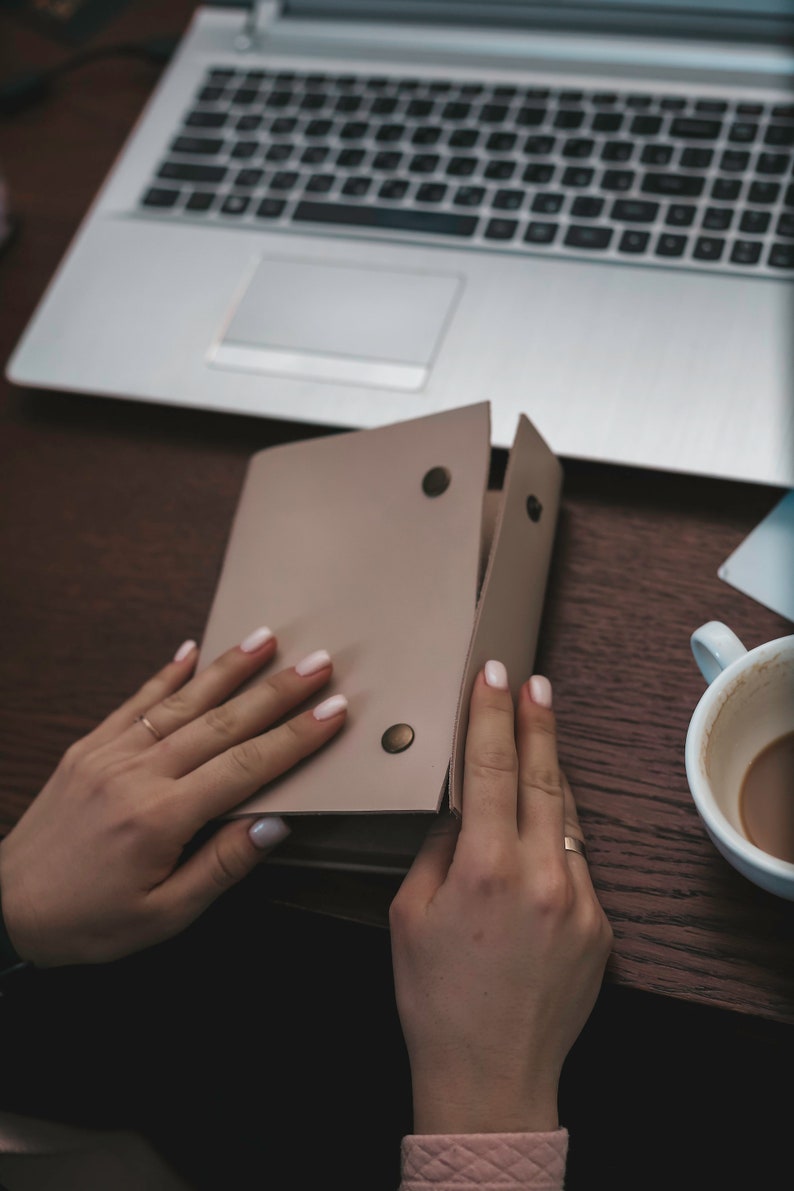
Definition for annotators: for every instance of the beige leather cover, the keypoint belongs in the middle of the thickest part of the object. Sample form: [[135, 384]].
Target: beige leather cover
[[336, 546]]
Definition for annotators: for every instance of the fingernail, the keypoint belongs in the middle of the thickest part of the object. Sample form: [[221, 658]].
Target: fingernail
[[256, 640], [331, 707], [313, 662], [266, 833], [184, 651], [496, 675], [540, 690]]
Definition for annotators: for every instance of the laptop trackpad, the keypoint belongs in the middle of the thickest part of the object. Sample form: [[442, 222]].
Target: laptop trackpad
[[339, 323]]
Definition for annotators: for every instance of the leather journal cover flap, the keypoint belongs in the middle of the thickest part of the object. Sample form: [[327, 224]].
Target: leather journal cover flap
[[367, 544], [510, 604]]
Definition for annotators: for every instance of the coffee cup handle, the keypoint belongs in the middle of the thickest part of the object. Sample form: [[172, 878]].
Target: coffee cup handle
[[714, 647]]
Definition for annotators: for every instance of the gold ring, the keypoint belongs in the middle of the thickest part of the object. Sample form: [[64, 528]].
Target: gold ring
[[147, 723], [572, 843]]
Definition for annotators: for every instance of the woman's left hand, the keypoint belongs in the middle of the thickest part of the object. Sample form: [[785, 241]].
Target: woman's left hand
[[95, 867]]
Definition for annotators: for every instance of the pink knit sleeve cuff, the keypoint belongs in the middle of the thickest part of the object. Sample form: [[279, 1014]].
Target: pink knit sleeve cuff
[[484, 1161]]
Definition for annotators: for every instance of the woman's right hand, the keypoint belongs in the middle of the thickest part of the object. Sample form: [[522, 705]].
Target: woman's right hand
[[499, 941]]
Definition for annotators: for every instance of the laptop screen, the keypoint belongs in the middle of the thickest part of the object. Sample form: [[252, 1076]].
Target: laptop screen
[[763, 19]]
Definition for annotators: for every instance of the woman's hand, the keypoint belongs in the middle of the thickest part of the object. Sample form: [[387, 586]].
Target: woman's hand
[[499, 941], [92, 870]]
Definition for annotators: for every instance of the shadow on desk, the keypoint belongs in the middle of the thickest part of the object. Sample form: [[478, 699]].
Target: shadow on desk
[[262, 1049]]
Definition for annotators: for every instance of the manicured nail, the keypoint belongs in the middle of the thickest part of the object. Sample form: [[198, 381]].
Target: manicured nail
[[331, 707], [266, 833], [184, 651], [540, 690], [496, 675], [256, 640], [313, 662]]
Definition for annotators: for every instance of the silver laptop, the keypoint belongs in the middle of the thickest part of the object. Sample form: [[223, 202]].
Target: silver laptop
[[354, 213]]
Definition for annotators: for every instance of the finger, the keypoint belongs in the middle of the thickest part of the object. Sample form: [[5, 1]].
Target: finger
[[541, 813], [227, 780], [578, 865], [430, 866], [239, 719], [233, 852], [207, 689], [491, 764], [162, 684]]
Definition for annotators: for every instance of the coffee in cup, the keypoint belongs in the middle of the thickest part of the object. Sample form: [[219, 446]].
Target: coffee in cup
[[740, 754]]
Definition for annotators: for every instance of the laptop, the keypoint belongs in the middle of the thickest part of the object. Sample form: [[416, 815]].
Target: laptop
[[353, 213]]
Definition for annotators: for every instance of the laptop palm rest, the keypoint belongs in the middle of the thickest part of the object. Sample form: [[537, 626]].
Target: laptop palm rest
[[368, 326]]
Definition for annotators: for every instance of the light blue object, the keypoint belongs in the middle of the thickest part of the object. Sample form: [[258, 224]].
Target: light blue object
[[763, 565]]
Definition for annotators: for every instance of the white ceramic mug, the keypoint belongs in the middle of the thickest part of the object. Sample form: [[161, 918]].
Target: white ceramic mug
[[748, 704]]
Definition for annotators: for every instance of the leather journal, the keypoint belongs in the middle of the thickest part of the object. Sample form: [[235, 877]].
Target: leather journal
[[386, 547]]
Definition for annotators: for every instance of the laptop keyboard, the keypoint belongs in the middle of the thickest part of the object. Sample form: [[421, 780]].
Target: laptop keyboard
[[640, 177]]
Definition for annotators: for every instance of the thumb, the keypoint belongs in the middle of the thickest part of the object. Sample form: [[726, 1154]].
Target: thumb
[[222, 862]]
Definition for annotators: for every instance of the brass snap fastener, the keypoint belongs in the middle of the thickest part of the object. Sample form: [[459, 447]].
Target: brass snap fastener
[[436, 481], [534, 508], [397, 738]]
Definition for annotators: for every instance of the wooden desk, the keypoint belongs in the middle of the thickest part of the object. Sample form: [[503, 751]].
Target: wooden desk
[[113, 520]]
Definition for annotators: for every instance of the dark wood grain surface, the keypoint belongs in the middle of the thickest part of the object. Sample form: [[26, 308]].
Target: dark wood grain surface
[[113, 521]]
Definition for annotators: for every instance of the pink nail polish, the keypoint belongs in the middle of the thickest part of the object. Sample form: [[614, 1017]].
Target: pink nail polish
[[313, 662], [184, 651], [256, 640], [540, 690], [330, 707], [496, 675]]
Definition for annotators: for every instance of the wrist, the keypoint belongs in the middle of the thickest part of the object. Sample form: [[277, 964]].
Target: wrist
[[496, 1111]]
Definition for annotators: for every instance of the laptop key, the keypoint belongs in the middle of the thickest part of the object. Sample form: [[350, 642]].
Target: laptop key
[[538, 174], [394, 188], [185, 171], [717, 219], [197, 146], [634, 211], [696, 129], [469, 196], [579, 176], [726, 190], [387, 218], [681, 214], [585, 207], [500, 229], [763, 192], [754, 222], [320, 183], [785, 226], [270, 208], [708, 248], [200, 200], [547, 204], [248, 177], [746, 252], [670, 245], [540, 232], [581, 235], [781, 256], [779, 134], [617, 180], [200, 119], [772, 163], [508, 200], [158, 196], [673, 184], [634, 242], [235, 204]]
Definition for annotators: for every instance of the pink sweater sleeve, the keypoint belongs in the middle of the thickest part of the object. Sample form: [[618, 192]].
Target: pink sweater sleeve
[[484, 1161]]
